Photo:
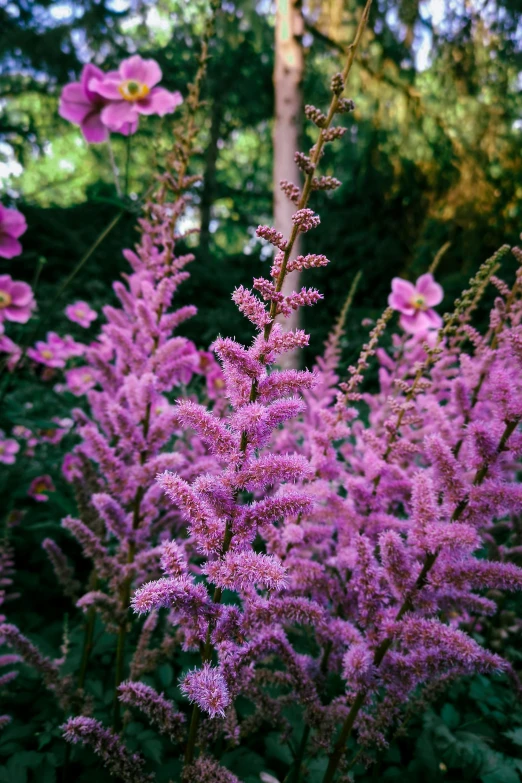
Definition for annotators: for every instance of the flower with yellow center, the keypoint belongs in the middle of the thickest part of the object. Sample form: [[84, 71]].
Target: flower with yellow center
[[419, 302], [5, 299], [132, 90], [41, 487]]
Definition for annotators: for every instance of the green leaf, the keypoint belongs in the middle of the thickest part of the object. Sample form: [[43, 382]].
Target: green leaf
[[165, 674], [450, 716], [276, 749], [503, 773], [515, 735]]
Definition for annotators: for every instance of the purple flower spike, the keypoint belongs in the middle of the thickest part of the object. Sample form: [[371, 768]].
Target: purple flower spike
[[208, 689]]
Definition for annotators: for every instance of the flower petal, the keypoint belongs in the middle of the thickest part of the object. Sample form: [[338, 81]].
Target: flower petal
[[421, 321], [107, 88], [146, 71], [9, 247], [21, 294], [159, 101], [93, 129], [74, 104], [17, 314], [90, 72], [402, 293], [12, 222], [430, 290], [116, 115], [129, 128]]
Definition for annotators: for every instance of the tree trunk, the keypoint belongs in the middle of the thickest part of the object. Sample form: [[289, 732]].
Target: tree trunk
[[288, 75]]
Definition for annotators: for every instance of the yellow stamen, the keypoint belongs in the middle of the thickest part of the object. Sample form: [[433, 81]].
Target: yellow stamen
[[419, 302], [131, 90], [47, 354], [5, 299]]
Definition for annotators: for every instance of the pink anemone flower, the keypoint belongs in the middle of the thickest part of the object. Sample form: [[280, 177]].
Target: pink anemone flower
[[12, 226], [16, 300], [40, 488], [80, 313], [132, 91], [8, 449], [80, 380], [82, 106], [414, 302]]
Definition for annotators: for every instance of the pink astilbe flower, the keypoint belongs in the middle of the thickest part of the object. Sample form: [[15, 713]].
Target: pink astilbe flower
[[207, 688], [8, 449], [132, 91], [108, 746], [207, 770], [80, 313], [179, 592], [40, 488], [12, 226], [16, 300], [415, 303], [155, 706], [239, 570]]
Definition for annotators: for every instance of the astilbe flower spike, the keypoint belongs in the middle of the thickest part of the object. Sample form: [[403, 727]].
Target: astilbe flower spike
[[122, 764]]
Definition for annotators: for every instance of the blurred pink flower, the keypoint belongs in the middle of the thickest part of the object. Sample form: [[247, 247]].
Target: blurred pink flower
[[56, 351], [216, 383], [414, 302], [80, 380], [68, 345], [8, 449], [132, 91], [49, 353], [83, 107], [12, 349], [55, 434], [16, 300], [71, 467], [40, 488], [80, 313], [12, 225]]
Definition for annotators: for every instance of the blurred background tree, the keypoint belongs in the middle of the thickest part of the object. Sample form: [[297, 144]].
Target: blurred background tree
[[432, 154]]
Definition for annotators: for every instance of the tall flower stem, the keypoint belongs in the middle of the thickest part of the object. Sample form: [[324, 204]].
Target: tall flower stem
[[407, 606], [128, 147], [303, 201], [114, 168]]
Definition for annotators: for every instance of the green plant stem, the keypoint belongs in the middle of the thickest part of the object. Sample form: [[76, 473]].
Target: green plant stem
[[81, 263], [52, 307], [298, 762], [127, 166], [407, 606], [114, 168]]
